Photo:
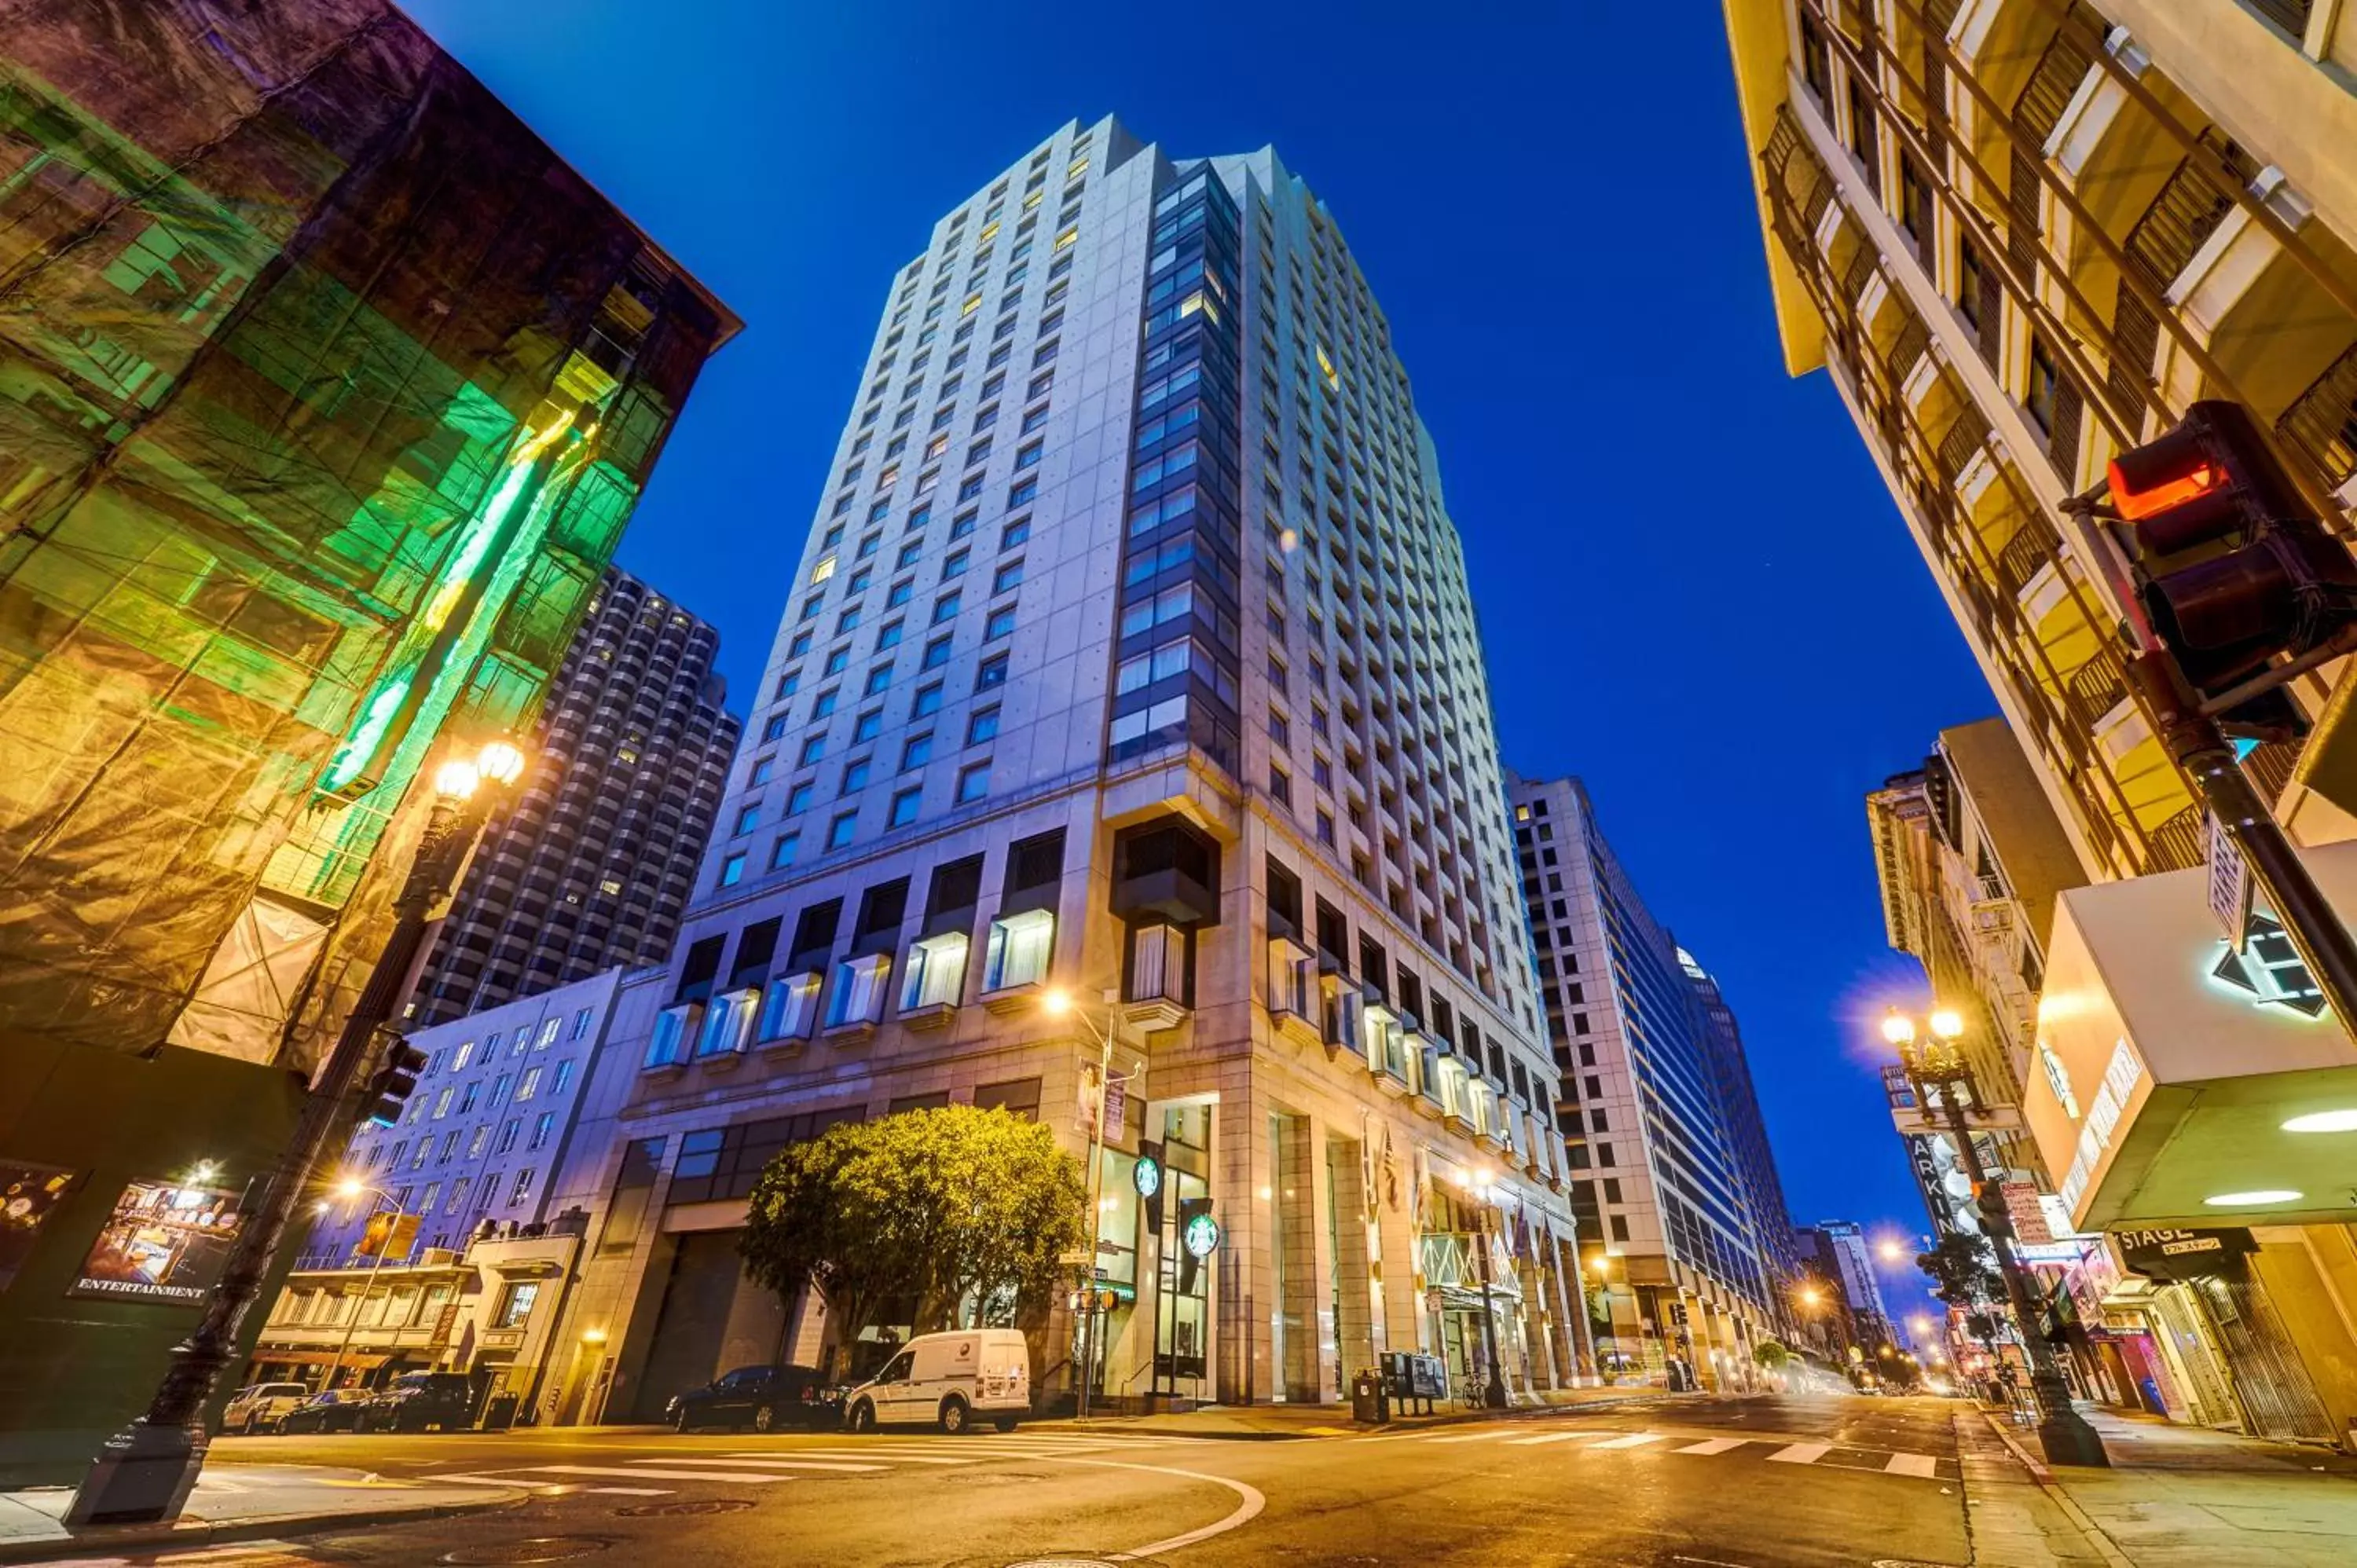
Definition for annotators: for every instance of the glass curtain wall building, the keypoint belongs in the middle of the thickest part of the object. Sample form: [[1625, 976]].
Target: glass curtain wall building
[[1130, 653], [1682, 1260]]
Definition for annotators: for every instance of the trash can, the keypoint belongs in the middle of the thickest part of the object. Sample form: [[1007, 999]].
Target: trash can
[[1368, 1401]]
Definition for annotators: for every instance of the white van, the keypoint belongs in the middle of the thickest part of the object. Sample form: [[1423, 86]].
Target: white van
[[950, 1381]]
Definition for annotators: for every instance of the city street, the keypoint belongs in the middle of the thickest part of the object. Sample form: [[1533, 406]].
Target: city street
[[1705, 1483]]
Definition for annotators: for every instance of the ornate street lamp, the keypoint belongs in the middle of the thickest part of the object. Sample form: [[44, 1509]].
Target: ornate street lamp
[[145, 1472], [1938, 1070]]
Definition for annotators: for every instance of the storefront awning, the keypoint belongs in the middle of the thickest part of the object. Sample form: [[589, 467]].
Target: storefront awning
[[2167, 1065]]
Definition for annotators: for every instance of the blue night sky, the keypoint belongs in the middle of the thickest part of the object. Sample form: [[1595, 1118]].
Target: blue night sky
[[1694, 590]]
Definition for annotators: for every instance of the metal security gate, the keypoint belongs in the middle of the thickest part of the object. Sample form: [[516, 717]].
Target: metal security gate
[[2267, 1372]]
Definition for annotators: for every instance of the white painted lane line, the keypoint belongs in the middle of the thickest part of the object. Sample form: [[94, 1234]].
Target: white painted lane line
[[1478, 1436], [779, 1463], [1799, 1454], [628, 1491], [1556, 1437], [1713, 1446], [751, 1480], [895, 1456], [1634, 1440], [457, 1480], [1246, 1511], [1921, 1465]]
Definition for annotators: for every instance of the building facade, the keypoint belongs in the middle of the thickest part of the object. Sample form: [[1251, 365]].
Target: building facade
[[590, 868], [1755, 1159], [1678, 1273], [323, 410], [457, 1252], [1131, 655], [2022, 236]]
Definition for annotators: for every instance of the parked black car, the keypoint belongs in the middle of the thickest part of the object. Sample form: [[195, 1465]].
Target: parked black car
[[338, 1409], [763, 1398], [416, 1401]]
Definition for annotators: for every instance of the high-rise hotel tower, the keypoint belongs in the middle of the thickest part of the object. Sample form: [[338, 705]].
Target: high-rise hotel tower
[[1130, 655]]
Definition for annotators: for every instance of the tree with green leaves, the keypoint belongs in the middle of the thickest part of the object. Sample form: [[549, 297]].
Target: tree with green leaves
[[1771, 1354], [952, 1207], [1964, 1273]]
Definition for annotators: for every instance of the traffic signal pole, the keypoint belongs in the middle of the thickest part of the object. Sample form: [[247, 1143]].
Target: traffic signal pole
[[2199, 747]]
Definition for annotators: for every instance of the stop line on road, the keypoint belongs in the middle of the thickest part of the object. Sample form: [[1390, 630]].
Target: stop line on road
[[1771, 1450]]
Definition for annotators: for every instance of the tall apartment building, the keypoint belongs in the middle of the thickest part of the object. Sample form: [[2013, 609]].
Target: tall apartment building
[[2022, 235], [592, 864], [1676, 1268], [1130, 653], [1843, 1259], [325, 390]]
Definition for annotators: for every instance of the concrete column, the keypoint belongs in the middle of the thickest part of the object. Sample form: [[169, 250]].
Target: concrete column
[[1356, 1288], [1295, 1254]]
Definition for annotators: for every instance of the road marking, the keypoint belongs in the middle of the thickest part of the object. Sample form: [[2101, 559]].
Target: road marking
[[1713, 1446], [459, 1480], [1479, 1436], [1246, 1511], [895, 1456], [1921, 1465], [770, 1463], [753, 1480], [1799, 1454], [1556, 1437], [1634, 1440]]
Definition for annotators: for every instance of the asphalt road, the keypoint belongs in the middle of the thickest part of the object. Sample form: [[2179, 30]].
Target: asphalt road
[[1699, 1483]]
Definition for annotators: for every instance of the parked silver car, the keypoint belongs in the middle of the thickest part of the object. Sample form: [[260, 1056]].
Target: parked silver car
[[260, 1407]]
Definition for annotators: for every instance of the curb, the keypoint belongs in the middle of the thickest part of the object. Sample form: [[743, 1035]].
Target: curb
[[213, 1532], [2043, 1474]]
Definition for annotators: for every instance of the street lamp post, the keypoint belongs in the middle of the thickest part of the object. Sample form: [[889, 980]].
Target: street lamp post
[[144, 1473], [1938, 1064], [350, 1188], [1058, 1002], [1493, 1392]]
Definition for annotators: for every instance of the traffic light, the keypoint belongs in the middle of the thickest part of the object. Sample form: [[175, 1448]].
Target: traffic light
[[388, 1089], [1198, 1237], [1149, 1177], [2232, 566]]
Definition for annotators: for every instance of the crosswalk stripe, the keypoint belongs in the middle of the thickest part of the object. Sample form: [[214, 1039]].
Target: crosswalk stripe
[[897, 1455], [1921, 1465], [1478, 1436], [1634, 1440], [773, 1463], [1799, 1454], [751, 1480], [1713, 1446], [1553, 1437]]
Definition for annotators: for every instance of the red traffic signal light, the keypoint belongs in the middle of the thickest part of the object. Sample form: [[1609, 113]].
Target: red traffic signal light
[[2232, 567]]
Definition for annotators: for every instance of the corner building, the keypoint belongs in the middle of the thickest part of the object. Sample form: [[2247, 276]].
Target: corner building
[[1130, 653], [2021, 236]]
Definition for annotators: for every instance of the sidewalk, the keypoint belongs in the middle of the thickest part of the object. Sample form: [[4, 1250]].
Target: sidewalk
[[1249, 1424], [2175, 1497], [238, 1502]]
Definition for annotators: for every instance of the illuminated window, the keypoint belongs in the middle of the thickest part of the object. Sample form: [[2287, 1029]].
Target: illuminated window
[[1020, 948], [972, 302], [936, 973], [822, 571], [1068, 236]]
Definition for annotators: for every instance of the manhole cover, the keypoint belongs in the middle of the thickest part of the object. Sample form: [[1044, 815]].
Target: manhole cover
[[533, 1549], [704, 1505]]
